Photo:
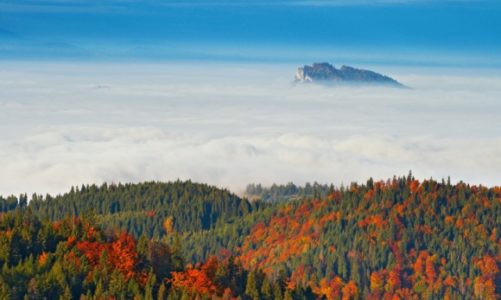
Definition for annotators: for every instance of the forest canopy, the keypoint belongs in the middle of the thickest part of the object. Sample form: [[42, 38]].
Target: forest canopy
[[394, 239]]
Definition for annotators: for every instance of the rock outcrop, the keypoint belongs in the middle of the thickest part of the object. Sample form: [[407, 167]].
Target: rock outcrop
[[326, 73]]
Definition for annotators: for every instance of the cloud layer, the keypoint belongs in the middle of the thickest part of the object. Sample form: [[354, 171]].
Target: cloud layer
[[229, 125]]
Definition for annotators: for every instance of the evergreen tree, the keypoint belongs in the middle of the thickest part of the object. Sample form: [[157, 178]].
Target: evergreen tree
[[251, 289]]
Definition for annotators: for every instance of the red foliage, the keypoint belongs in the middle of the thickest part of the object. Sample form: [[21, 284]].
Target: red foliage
[[71, 240], [198, 281], [414, 186], [124, 255], [121, 253], [194, 281]]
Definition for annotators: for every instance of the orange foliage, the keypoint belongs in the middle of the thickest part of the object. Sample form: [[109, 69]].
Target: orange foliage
[[449, 281], [350, 291], [414, 186], [42, 259], [488, 266], [289, 234], [484, 289], [376, 220], [71, 240], [394, 279], [430, 270], [198, 281], [369, 195], [168, 225], [493, 236], [194, 281], [121, 253], [90, 231], [56, 226], [124, 254], [377, 281], [420, 263], [330, 289]]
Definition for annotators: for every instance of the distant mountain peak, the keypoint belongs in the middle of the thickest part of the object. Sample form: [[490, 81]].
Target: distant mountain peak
[[326, 73]]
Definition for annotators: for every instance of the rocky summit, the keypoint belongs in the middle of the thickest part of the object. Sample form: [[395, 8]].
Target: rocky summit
[[327, 73]]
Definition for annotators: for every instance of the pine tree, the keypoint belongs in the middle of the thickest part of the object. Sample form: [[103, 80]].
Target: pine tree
[[277, 291], [288, 295], [177, 256], [66, 295], [4, 290], [266, 290], [251, 289], [148, 294], [161, 292]]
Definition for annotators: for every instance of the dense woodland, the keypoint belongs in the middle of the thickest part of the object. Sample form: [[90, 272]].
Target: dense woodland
[[394, 239], [290, 191]]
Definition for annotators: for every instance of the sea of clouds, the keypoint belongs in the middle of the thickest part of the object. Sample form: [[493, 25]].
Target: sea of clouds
[[65, 124]]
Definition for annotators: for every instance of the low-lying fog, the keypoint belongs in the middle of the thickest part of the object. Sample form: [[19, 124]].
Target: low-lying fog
[[64, 124]]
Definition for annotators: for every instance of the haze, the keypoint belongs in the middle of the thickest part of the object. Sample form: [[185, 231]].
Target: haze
[[231, 124]]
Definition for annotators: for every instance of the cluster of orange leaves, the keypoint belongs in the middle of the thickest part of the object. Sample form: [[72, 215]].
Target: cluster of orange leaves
[[286, 235], [484, 286], [194, 280], [335, 288], [198, 280], [121, 254]]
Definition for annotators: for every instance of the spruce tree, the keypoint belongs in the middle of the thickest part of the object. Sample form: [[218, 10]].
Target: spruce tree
[[251, 289]]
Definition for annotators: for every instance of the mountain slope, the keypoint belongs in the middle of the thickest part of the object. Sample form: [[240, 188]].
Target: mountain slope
[[394, 239], [399, 238]]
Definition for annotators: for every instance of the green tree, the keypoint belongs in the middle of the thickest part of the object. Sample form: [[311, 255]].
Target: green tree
[[251, 289]]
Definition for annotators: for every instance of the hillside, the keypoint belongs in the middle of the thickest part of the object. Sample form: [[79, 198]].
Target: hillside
[[394, 239], [384, 239], [142, 208]]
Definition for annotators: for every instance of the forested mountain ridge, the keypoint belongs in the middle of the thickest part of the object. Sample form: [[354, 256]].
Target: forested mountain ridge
[[142, 208], [394, 239], [286, 192], [397, 238]]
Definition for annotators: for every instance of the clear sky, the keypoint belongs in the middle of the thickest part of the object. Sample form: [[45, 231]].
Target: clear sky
[[438, 32]]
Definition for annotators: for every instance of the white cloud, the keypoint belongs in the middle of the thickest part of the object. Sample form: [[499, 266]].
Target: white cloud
[[65, 124]]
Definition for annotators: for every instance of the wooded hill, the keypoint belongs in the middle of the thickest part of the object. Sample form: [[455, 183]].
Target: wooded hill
[[394, 239]]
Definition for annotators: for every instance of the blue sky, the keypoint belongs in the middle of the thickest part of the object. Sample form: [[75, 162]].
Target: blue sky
[[412, 32]]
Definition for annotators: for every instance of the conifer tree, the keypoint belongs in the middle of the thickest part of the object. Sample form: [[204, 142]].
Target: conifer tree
[[251, 289]]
